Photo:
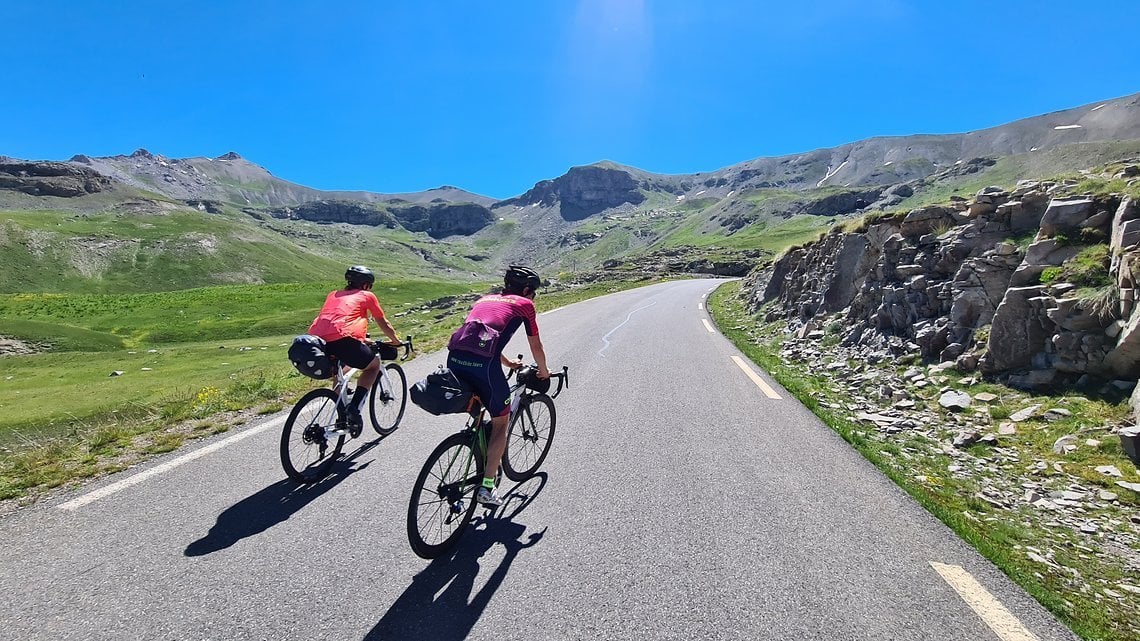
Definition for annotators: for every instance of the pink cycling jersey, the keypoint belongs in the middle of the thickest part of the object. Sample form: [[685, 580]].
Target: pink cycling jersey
[[505, 312]]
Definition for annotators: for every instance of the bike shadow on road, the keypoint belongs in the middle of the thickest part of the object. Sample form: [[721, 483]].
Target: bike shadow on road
[[424, 612], [273, 504]]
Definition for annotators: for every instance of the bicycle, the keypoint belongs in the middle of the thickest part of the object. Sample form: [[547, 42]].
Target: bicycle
[[443, 496], [317, 427]]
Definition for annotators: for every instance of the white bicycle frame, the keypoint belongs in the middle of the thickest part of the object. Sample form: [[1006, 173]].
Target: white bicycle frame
[[344, 375]]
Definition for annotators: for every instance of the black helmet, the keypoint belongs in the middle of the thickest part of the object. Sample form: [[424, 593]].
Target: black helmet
[[519, 277], [358, 274]]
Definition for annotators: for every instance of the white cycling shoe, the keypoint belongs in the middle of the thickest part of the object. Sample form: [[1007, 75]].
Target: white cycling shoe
[[488, 496]]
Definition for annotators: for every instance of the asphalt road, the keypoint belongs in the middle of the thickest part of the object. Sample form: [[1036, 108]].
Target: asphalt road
[[679, 501]]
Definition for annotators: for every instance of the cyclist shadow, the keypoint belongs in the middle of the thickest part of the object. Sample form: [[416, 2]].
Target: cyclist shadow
[[424, 612], [272, 505]]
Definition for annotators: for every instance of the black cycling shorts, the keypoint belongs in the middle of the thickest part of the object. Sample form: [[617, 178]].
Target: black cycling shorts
[[351, 352]]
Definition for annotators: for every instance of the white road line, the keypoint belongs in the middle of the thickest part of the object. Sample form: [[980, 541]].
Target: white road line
[[764, 387], [90, 497], [605, 339], [700, 306], [1000, 620], [707, 326]]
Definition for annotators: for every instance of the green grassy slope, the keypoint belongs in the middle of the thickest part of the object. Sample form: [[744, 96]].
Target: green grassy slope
[[114, 252], [1032, 166], [101, 321]]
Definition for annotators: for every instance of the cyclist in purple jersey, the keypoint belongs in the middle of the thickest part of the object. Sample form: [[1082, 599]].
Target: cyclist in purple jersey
[[481, 364]]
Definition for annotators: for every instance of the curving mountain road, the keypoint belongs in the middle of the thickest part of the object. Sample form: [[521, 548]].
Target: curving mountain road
[[684, 498]]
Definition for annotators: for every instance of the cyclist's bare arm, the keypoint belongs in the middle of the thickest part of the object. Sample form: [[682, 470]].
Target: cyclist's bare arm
[[386, 327], [539, 355]]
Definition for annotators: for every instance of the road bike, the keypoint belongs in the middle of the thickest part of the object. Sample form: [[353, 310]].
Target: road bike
[[317, 427], [443, 496]]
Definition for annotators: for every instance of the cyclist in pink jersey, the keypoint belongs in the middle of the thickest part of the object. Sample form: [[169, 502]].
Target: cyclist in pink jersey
[[343, 324], [476, 355]]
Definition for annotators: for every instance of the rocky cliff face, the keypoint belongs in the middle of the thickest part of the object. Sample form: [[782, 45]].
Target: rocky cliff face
[[337, 211], [51, 179], [584, 191], [438, 219], [441, 219], [1031, 284]]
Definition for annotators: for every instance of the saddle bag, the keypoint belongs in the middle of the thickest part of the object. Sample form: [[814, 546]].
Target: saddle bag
[[441, 392], [307, 353]]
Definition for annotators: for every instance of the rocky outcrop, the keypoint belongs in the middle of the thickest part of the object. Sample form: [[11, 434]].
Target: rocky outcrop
[[584, 191], [437, 219], [337, 211], [951, 283], [58, 179], [441, 219]]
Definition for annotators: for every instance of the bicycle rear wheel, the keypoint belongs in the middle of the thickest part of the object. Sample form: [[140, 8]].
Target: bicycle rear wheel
[[529, 437], [443, 497], [308, 445], [386, 400]]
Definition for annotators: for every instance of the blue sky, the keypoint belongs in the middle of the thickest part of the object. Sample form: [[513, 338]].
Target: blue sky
[[492, 97]]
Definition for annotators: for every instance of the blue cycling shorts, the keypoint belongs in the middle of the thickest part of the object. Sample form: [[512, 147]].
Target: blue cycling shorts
[[486, 376]]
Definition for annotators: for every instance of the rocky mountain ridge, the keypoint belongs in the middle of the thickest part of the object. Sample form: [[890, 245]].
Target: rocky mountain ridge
[[588, 190], [879, 161], [231, 178]]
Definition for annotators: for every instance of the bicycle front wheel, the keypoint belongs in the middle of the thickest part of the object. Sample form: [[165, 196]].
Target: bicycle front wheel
[[387, 399], [529, 437], [443, 497], [310, 442]]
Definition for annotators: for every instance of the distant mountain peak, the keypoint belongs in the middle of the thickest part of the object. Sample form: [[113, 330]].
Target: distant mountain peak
[[142, 153], [230, 156]]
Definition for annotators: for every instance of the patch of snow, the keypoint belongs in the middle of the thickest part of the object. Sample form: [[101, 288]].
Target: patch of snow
[[1099, 107], [1032, 149], [830, 173], [699, 192], [730, 193], [958, 163], [1060, 127], [680, 198], [888, 163]]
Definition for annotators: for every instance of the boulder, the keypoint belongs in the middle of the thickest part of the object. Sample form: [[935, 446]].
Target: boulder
[[1064, 215], [1019, 330], [1047, 252], [954, 400]]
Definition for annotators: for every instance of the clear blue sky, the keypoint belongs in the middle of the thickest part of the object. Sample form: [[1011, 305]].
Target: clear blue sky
[[494, 96]]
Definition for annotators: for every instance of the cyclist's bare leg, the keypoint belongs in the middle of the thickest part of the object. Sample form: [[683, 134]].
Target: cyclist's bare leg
[[363, 384], [368, 374], [497, 445]]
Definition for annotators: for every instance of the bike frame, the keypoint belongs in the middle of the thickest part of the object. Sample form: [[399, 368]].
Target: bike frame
[[479, 437], [345, 374]]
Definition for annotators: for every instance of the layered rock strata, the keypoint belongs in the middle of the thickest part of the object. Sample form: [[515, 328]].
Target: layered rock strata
[[1026, 283]]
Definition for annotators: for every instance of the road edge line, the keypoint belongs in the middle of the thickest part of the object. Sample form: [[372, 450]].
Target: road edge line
[[985, 605], [764, 387], [118, 486]]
